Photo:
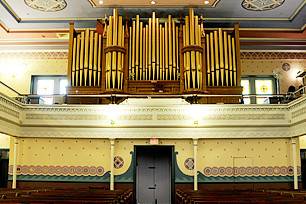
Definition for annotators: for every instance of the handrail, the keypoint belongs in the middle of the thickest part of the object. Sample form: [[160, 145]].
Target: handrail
[[10, 88]]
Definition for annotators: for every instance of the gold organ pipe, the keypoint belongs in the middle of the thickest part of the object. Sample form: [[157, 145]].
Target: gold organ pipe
[[150, 49], [157, 49], [109, 54], [174, 50], [147, 52], [208, 59], [160, 52], [197, 42], [163, 71], [212, 70], [86, 57], [137, 48], [119, 60], [82, 58], [133, 49], [217, 58], [74, 53], [144, 53], [177, 51], [114, 54], [91, 50], [221, 56], [201, 58], [192, 34], [170, 46], [140, 51], [234, 62], [153, 42], [99, 59], [184, 56], [122, 57], [77, 74], [230, 60], [95, 59], [225, 58], [187, 53], [166, 52], [130, 50]]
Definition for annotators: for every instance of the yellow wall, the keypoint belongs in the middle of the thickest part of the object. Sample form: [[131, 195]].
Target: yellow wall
[[17, 67], [211, 152], [303, 142], [266, 67], [4, 141], [244, 152]]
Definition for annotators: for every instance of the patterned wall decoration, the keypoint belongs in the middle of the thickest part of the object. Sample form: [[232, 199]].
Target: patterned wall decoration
[[118, 162], [272, 55], [46, 5], [250, 171], [58, 170], [261, 5], [34, 55], [189, 163]]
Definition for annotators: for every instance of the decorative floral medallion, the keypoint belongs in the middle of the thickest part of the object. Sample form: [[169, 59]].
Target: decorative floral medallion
[[261, 5], [118, 162], [189, 163], [46, 5]]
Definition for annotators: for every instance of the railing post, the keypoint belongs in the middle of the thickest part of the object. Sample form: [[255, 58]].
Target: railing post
[[112, 152], [15, 163]]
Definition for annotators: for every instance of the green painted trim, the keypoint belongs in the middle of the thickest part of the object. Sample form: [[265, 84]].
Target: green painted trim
[[127, 177], [180, 177], [244, 179], [104, 178]]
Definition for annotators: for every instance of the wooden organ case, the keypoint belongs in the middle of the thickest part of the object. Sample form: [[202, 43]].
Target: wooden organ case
[[154, 57]]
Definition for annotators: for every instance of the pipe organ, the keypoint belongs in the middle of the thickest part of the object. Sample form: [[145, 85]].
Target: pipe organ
[[155, 56], [154, 51], [86, 59], [221, 60]]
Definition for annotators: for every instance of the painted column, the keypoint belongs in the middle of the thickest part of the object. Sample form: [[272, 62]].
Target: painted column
[[15, 163], [295, 176], [112, 152], [195, 169]]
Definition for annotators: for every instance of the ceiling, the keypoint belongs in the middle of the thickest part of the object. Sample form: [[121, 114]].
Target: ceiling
[[26, 20]]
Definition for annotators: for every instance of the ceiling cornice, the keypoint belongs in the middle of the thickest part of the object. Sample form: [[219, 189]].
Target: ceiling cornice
[[150, 6], [43, 20]]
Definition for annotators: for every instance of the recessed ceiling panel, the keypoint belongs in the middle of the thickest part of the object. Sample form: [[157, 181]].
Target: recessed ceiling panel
[[261, 5], [152, 3], [46, 5]]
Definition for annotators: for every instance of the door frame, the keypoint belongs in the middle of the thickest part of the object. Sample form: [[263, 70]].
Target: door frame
[[172, 166]]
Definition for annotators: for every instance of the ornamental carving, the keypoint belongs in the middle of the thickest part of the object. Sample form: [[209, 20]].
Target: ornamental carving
[[261, 5], [46, 5]]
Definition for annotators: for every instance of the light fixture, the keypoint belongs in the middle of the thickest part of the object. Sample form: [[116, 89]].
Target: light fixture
[[206, 2], [153, 2], [101, 2]]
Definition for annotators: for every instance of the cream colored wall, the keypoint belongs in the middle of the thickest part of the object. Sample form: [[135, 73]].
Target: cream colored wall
[[62, 152], [211, 152], [266, 67], [245, 153], [4, 141], [302, 142], [17, 67]]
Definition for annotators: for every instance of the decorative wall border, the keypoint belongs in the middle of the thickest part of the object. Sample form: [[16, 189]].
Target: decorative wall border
[[272, 55], [250, 171], [34, 55], [58, 170]]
